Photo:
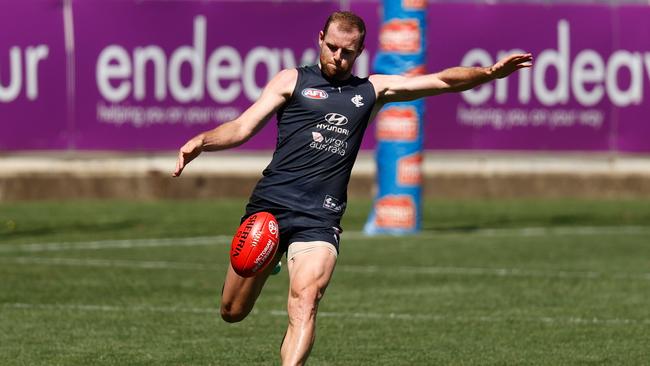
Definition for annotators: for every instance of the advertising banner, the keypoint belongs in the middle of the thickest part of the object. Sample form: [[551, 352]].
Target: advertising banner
[[567, 101], [627, 79], [152, 74], [145, 75], [33, 90]]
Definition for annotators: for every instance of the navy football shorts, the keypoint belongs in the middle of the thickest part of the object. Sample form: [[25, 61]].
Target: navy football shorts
[[295, 227]]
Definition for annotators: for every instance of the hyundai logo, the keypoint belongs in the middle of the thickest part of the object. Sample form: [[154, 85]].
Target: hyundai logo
[[336, 119]]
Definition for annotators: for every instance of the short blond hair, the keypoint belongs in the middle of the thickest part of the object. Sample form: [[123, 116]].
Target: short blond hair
[[347, 21]]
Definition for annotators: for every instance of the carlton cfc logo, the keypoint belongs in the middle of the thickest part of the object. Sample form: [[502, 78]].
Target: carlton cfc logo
[[312, 93]]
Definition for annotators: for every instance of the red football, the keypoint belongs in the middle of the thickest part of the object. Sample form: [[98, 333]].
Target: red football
[[255, 244]]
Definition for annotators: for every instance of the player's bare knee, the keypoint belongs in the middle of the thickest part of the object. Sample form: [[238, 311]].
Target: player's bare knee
[[232, 317], [233, 314], [304, 302], [309, 293]]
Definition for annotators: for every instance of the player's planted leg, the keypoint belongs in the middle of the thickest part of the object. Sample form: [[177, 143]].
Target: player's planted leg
[[309, 275]]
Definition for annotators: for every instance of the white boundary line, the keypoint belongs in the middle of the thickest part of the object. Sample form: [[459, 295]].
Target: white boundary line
[[351, 235], [370, 269], [120, 263], [357, 315], [111, 244]]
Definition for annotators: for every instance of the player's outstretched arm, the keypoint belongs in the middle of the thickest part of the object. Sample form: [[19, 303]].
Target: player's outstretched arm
[[239, 130], [396, 88]]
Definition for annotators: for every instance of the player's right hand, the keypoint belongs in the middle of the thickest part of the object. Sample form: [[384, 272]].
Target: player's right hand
[[187, 153], [510, 64]]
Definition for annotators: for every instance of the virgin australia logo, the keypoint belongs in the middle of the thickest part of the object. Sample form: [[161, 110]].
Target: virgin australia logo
[[317, 137], [336, 119], [357, 100]]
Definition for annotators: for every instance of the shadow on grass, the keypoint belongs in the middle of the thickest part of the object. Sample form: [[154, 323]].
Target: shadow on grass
[[562, 220]]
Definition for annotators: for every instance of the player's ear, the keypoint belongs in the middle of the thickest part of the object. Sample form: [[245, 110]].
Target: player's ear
[[321, 37], [358, 53]]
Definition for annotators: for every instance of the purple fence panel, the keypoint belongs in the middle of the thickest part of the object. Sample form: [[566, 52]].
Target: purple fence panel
[[557, 105], [32, 76], [151, 74], [630, 65]]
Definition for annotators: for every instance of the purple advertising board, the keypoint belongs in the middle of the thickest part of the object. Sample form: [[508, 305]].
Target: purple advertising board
[[559, 104], [633, 55], [149, 74], [33, 93], [152, 74]]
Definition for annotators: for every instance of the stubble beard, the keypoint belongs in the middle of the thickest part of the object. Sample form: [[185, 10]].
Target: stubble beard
[[331, 71]]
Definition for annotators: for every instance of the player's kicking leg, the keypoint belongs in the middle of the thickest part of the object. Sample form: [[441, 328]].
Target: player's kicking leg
[[309, 274], [239, 293]]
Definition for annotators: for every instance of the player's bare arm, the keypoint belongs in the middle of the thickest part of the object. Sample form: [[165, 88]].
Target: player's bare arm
[[236, 132], [397, 88]]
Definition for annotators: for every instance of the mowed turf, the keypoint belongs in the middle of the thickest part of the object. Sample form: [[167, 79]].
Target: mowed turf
[[486, 283]]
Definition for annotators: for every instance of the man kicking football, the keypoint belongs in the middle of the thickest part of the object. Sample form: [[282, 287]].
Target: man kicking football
[[322, 112]]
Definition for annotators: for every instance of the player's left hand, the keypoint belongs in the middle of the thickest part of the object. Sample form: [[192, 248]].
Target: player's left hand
[[510, 64], [187, 153]]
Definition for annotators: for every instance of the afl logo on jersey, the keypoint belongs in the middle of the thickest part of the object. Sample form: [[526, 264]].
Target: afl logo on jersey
[[312, 93], [336, 119]]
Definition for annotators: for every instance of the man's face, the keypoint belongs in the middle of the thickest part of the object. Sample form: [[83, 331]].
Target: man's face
[[338, 51]]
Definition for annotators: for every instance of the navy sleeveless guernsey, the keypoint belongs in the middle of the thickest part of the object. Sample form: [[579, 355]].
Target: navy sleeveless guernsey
[[320, 130]]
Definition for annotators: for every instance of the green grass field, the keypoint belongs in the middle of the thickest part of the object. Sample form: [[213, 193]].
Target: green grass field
[[486, 283]]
